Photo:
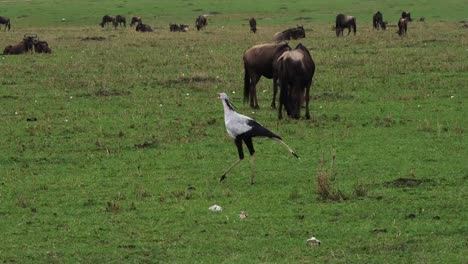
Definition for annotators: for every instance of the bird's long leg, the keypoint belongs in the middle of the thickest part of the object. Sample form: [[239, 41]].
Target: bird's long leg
[[289, 148], [238, 142], [249, 143], [229, 169], [252, 159]]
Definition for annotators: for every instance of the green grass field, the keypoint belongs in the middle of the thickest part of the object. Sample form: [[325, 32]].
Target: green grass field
[[125, 156]]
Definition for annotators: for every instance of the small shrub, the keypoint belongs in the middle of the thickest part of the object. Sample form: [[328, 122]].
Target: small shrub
[[325, 179], [22, 202], [141, 193], [360, 189], [112, 207]]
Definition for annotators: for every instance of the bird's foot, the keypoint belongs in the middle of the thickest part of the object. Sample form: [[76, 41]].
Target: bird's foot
[[222, 178], [295, 155]]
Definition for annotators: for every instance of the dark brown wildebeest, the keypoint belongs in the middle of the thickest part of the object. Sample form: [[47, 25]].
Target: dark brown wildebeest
[[253, 25], [143, 28], [24, 46], [119, 21], [260, 61], [41, 46], [345, 21], [406, 15], [402, 26], [178, 28], [296, 69], [183, 28], [135, 21], [201, 22], [292, 33], [5, 21], [107, 19], [173, 27], [377, 21]]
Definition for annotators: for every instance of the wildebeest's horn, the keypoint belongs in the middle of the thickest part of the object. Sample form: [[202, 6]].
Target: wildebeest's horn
[[30, 35]]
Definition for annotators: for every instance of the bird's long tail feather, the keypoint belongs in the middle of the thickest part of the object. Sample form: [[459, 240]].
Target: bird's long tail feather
[[289, 148]]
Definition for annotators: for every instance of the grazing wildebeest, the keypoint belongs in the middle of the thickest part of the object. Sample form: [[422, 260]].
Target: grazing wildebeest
[[253, 25], [173, 27], [178, 28], [135, 21], [24, 46], [345, 21], [143, 28], [6, 22], [41, 46], [292, 33], [406, 15], [402, 26], [183, 28], [259, 61], [295, 72], [201, 22], [377, 21], [119, 21], [107, 19]]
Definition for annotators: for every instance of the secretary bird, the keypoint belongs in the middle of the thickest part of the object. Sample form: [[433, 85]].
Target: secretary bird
[[243, 128]]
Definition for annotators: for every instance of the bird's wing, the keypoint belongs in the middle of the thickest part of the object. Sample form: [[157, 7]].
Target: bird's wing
[[257, 130], [237, 124]]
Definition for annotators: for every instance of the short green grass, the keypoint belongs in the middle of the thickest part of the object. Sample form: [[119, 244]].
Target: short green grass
[[129, 143]]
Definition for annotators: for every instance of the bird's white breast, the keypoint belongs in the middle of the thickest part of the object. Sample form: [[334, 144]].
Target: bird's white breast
[[236, 124]]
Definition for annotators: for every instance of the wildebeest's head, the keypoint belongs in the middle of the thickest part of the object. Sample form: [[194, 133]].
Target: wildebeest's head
[[406, 15], [41, 46], [201, 22]]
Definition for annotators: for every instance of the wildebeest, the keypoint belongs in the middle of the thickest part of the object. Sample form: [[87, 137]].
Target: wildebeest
[[402, 26], [24, 46], [406, 15], [201, 22], [260, 61], [292, 33], [178, 28], [296, 69], [6, 22], [119, 21], [135, 21], [345, 21], [253, 25], [173, 27], [107, 19], [41, 46], [377, 21], [143, 28], [183, 28]]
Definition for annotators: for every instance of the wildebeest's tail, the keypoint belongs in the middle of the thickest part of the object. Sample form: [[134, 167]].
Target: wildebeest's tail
[[8, 25], [354, 28], [246, 84]]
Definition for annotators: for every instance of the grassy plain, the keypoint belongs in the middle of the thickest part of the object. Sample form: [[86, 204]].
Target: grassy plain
[[124, 158]]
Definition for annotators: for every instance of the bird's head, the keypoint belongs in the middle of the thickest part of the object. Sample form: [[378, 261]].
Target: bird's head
[[223, 96], [225, 99]]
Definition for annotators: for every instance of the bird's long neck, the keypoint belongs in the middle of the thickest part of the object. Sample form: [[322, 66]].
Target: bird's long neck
[[228, 108]]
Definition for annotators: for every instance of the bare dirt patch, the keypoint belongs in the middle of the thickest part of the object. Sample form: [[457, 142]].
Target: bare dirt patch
[[407, 182]]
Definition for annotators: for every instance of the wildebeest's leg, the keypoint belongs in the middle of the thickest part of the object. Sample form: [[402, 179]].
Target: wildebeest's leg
[[349, 30], [283, 97], [307, 98], [253, 90], [275, 91]]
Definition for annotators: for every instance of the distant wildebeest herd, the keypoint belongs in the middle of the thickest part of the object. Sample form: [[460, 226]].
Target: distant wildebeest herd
[[292, 70]]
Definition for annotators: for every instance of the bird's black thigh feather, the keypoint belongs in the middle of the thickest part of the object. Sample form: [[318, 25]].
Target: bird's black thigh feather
[[248, 142], [238, 142]]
